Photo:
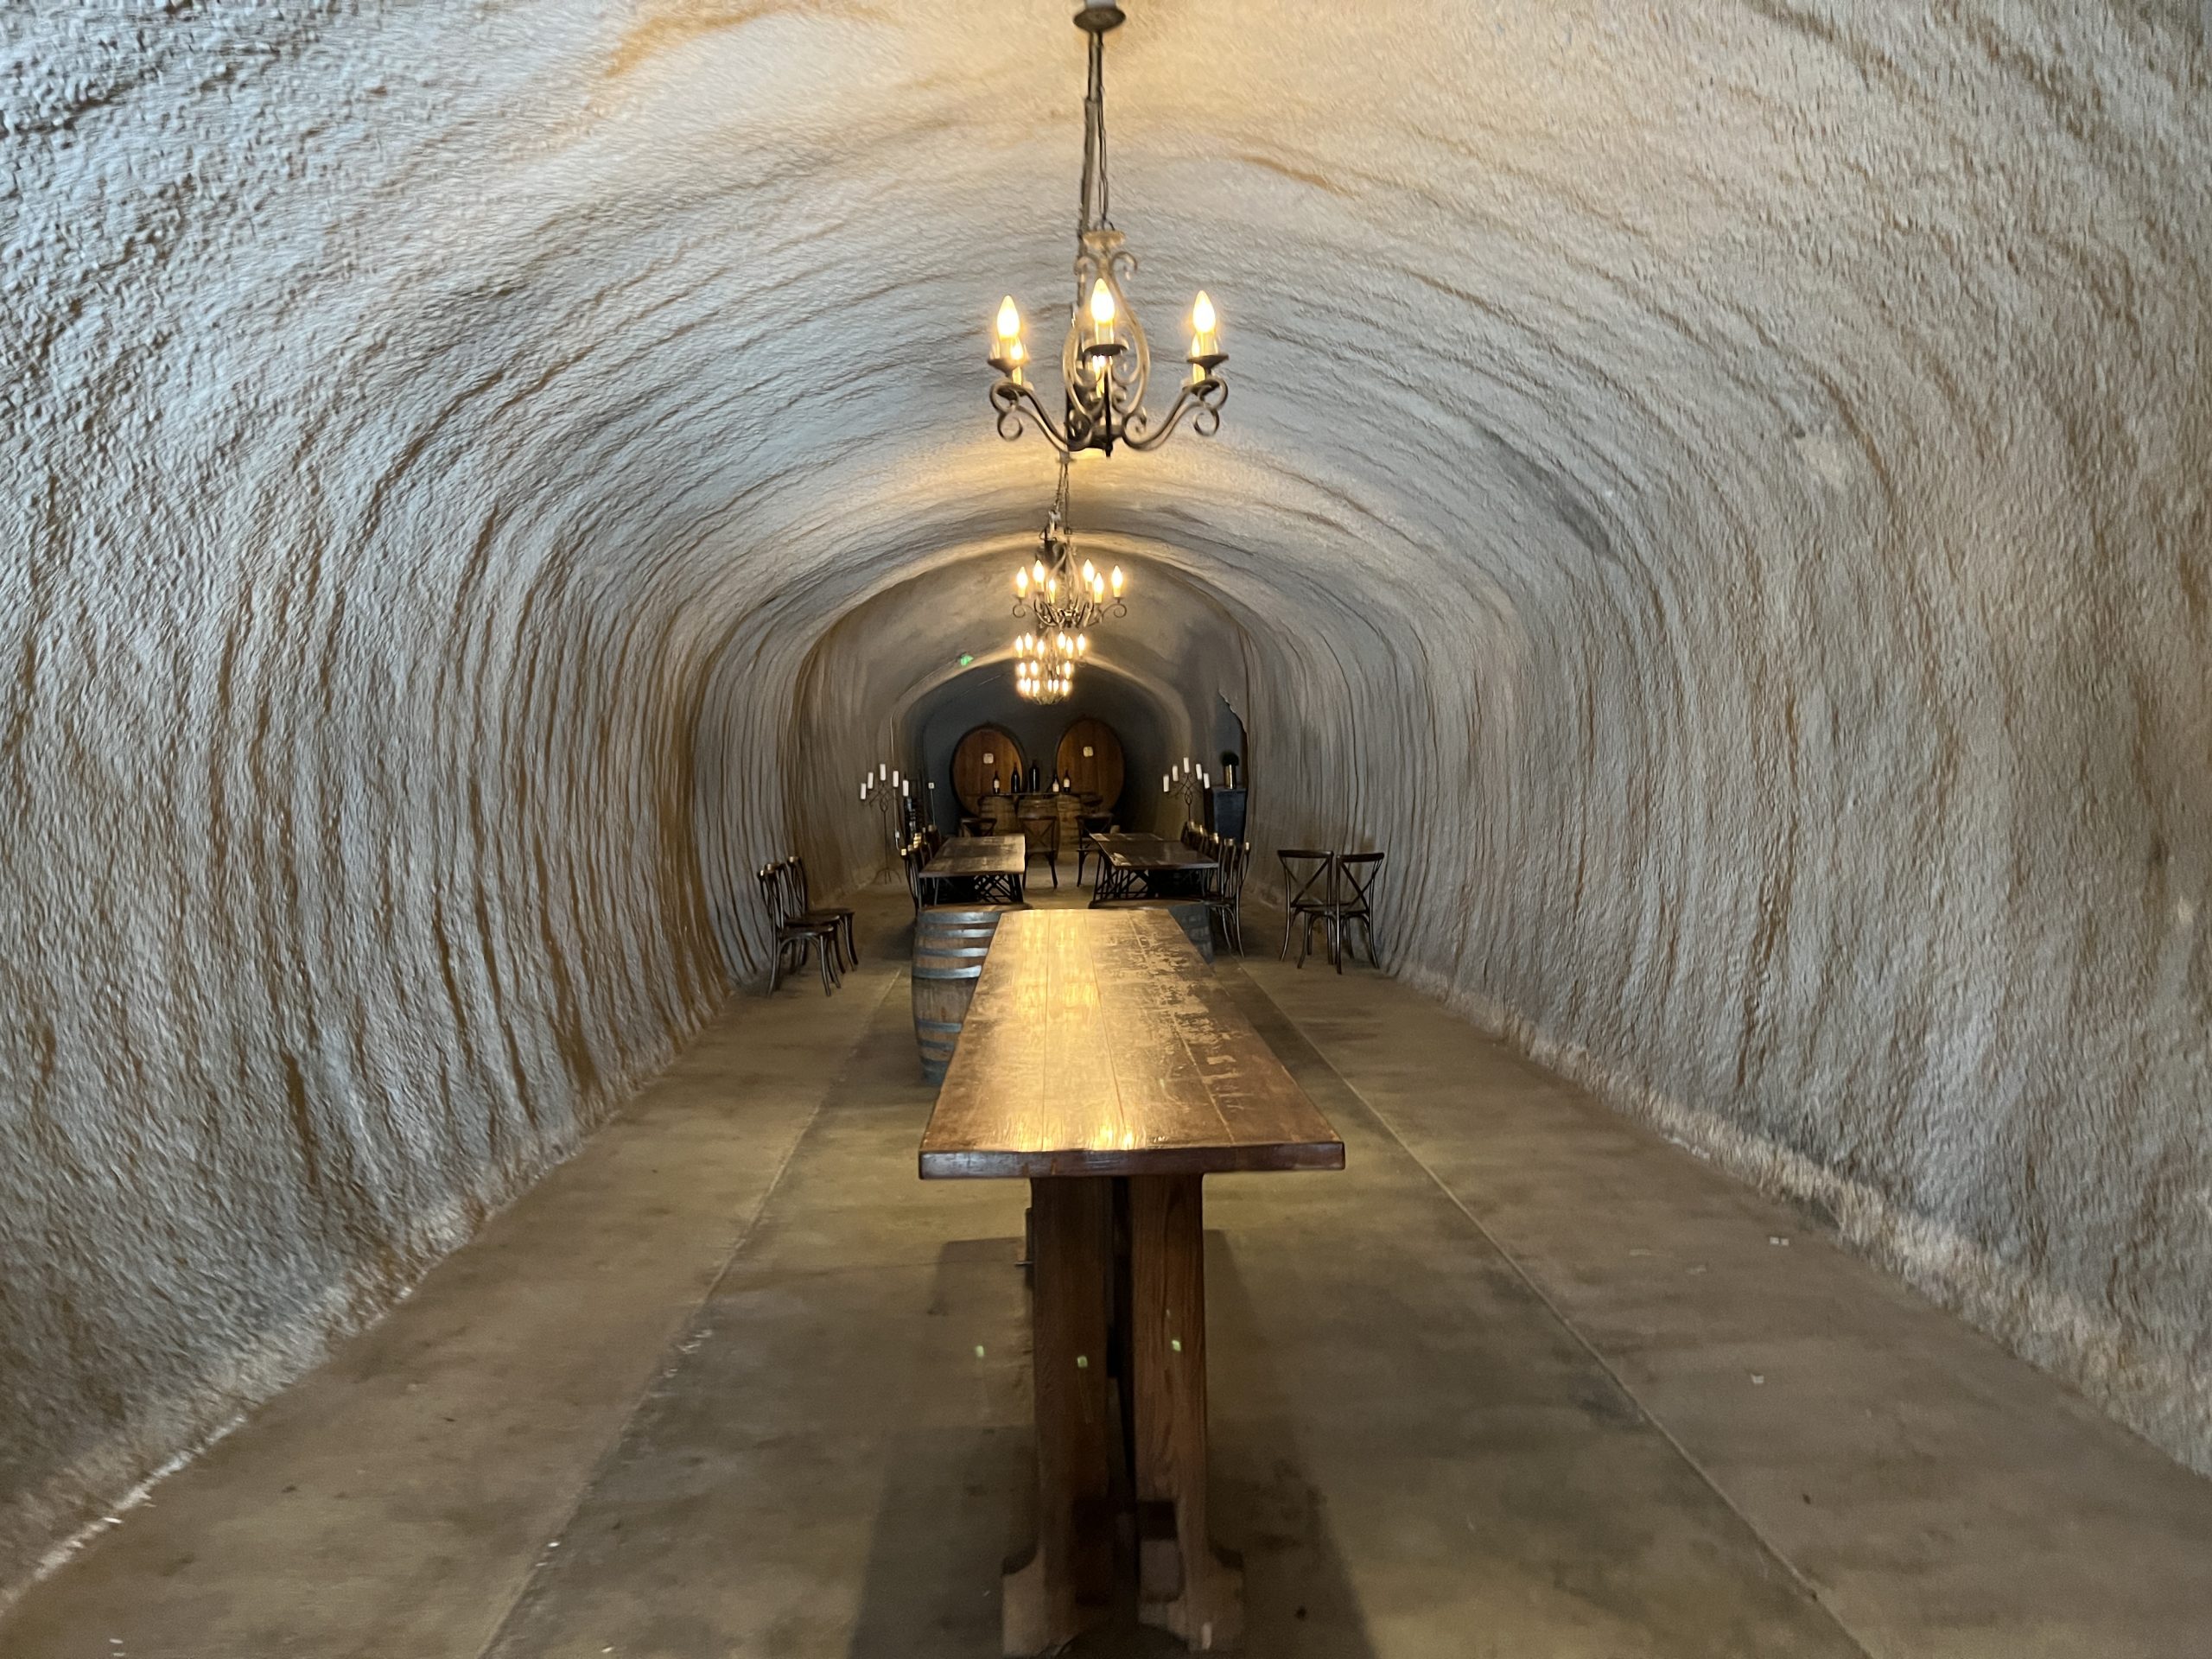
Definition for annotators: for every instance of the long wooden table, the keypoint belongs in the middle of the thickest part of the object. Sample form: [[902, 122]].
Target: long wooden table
[[996, 864], [1129, 862], [1104, 1062]]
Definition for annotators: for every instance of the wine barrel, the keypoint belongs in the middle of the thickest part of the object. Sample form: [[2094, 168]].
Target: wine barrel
[[951, 942], [1090, 755], [986, 753]]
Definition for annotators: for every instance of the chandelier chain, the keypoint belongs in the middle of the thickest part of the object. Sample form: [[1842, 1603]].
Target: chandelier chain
[[1095, 211]]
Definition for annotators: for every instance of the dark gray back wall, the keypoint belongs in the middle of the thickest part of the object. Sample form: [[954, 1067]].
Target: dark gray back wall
[[985, 697]]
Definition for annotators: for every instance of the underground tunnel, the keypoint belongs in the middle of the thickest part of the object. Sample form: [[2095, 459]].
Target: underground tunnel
[[1716, 494]]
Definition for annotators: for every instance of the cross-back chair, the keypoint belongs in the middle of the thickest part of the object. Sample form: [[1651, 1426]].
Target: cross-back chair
[[1041, 838], [1309, 888], [1357, 874], [802, 908], [791, 933], [1225, 892]]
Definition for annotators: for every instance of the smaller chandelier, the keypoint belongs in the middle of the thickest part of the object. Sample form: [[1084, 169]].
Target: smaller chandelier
[[1044, 665], [1105, 362], [1052, 591]]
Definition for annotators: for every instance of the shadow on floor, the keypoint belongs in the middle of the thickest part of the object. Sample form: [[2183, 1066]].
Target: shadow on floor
[[958, 1503]]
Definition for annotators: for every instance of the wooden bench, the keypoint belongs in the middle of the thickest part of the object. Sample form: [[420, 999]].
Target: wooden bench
[[1104, 1063]]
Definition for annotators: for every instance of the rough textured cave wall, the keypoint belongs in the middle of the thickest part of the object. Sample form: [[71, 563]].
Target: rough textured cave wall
[[349, 878], [1716, 492]]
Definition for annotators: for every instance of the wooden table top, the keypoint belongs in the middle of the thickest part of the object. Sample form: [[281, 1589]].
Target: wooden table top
[[1151, 852], [1100, 1043], [980, 855]]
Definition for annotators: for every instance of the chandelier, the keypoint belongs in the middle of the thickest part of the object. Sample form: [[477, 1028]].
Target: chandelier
[[1105, 363], [1044, 665], [1051, 592]]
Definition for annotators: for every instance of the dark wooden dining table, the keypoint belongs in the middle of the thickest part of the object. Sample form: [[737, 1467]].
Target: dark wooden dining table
[[1104, 1063], [993, 864], [1131, 864]]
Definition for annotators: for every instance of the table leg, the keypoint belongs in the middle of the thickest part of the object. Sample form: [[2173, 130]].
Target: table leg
[[1067, 1584], [1185, 1584]]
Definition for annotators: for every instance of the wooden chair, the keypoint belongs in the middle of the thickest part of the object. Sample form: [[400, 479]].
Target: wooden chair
[[914, 855], [1226, 891], [1043, 835], [804, 935], [1309, 886], [1086, 845], [802, 908], [1357, 874]]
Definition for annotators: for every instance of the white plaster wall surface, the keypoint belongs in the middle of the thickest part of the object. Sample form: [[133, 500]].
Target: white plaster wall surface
[[1717, 491]]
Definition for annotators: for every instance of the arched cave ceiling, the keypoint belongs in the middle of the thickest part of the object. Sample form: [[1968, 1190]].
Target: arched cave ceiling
[[1717, 491]]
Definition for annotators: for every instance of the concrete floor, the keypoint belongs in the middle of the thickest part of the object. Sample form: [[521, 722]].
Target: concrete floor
[[1522, 1380]]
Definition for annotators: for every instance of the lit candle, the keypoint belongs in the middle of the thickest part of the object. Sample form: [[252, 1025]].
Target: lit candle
[[1205, 342], [1102, 313], [1007, 354]]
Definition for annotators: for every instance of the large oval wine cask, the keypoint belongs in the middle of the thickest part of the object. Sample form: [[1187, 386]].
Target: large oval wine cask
[[1090, 755], [951, 942], [986, 752]]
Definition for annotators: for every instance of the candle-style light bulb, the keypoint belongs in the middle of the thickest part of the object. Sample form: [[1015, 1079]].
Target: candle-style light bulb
[[883, 769], [1102, 306], [1037, 573], [1021, 583], [1082, 645], [1090, 573], [1116, 580], [1007, 353]]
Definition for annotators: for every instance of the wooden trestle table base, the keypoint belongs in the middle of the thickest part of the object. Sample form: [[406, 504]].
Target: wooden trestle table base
[[1104, 1062]]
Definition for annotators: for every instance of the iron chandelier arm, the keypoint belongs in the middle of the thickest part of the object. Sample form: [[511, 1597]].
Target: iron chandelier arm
[[1007, 397], [1200, 399]]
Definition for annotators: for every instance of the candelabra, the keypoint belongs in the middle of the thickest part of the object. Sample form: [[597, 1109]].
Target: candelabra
[[1191, 783], [892, 795]]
